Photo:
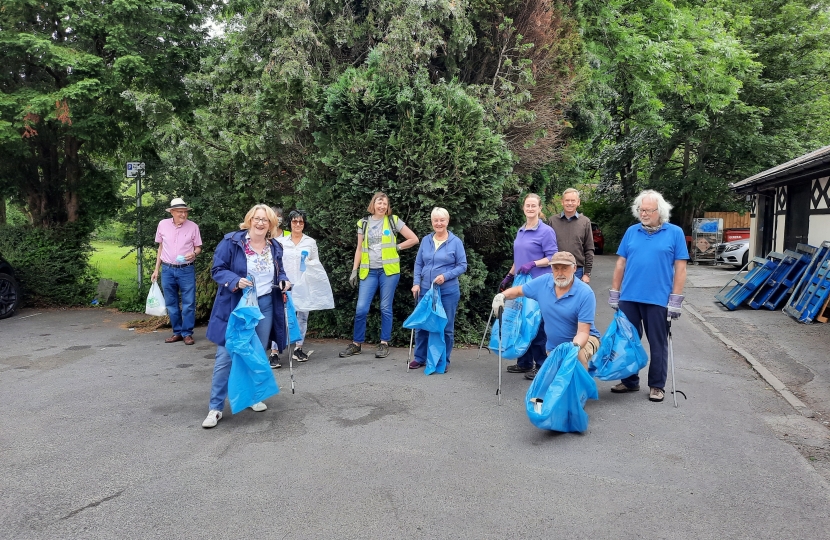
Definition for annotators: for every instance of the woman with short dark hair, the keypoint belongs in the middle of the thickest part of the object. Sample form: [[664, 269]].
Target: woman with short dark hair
[[294, 247]]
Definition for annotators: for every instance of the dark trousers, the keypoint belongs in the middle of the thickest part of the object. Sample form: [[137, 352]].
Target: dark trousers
[[536, 352], [652, 318]]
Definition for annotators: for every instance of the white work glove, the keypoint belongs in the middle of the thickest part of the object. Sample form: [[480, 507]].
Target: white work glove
[[498, 303], [614, 299], [675, 306]]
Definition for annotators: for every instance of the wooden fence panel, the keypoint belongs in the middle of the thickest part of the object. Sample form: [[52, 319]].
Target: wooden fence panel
[[731, 220]]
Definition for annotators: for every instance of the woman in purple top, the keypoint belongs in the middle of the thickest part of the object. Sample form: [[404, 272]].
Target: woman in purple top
[[533, 248]]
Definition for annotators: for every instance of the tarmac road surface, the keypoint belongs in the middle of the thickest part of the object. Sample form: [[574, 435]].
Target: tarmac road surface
[[100, 437]]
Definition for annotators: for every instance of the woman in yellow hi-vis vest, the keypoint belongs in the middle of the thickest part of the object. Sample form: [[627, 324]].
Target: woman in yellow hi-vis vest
[[377, 265]]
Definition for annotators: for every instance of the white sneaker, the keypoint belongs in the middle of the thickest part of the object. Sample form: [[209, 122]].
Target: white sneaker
[[212, 419], [259, 407]]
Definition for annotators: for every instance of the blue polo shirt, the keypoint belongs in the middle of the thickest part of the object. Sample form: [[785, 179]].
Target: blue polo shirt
[[561, 315], [649, 263], [532, 245]]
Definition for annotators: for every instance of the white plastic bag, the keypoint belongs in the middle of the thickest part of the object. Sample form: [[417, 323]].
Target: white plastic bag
[[155, 302], [312, 291]]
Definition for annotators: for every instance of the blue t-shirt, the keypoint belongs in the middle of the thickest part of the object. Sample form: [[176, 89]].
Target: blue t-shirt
[[561, 315], [649, 263]]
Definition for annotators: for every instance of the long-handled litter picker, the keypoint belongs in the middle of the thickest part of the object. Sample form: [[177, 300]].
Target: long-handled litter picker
[[486, 328], [671, 363], [288, 339], [411, 337], [498, 390]]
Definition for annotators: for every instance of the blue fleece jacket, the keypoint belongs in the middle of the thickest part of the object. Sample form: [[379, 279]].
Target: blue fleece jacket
[[229, 266], [450, 259]]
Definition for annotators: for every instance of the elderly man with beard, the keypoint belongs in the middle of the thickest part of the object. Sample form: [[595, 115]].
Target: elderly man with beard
[[568, 307], [648, 284]]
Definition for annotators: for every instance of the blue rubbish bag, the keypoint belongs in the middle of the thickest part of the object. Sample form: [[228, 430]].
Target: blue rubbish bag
[[251, 379], [521, 319], [429, 315], [620, 354], [294, 333], [556, 397]]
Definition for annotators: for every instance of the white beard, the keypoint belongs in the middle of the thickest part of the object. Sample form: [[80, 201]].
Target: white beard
[[563, 282]]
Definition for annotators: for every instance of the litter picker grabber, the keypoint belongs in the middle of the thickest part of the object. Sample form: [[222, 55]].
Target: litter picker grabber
[[498, 390], [288, 339], [486, 328], [411, 337], [671, 364]]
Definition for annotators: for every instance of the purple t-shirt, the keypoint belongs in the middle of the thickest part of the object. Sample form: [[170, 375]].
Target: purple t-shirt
[[532, 245]]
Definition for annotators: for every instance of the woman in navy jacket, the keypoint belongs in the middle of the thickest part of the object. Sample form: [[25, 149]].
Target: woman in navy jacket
[[441, 259], [252, 251]]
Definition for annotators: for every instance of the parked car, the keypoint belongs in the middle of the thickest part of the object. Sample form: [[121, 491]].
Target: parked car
[[735, 253], [9, 290], [599, 240]]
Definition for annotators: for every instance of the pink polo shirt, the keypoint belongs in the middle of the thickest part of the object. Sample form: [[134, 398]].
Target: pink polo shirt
[[177, 241]]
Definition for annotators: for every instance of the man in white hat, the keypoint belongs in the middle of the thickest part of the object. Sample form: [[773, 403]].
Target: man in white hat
[[179, 243], [568, 306]]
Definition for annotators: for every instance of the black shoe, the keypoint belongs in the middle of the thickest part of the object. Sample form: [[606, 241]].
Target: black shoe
[[352, 349], [300, 356], [275, 361], [530, 375], [516, 368], [383, 350]]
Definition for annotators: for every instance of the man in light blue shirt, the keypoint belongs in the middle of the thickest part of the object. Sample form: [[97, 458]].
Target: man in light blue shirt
[[648, 284], [568, 307]]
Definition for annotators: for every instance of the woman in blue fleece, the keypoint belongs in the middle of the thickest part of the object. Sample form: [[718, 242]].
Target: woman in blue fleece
[[441, 259]]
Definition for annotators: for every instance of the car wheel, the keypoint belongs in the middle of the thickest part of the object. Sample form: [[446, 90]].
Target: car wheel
[[9, 295], [597, 251], [745, 258]]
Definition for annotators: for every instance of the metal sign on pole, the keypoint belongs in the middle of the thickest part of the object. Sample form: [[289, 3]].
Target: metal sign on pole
[[135, 169]]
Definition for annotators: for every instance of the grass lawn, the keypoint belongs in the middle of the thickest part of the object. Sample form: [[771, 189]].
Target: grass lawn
[[107, 259]]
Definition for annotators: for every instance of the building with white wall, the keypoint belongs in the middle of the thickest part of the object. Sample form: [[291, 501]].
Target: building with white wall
[[790, 203]]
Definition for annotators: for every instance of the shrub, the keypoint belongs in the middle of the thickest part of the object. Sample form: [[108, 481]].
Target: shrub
[[52, 264], [424, 145]]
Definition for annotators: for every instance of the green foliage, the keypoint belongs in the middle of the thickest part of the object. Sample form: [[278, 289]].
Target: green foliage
[[424, 145], [320, 104], [52, 264], [63, 119], [687, 97], [15, 216]]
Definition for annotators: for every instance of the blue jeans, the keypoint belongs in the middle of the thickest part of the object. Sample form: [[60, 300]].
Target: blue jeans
[[652, 318], [449, 299], [173, 281], [535, 354], [377, 278], [580, 271], [302, 320], [222, 367]]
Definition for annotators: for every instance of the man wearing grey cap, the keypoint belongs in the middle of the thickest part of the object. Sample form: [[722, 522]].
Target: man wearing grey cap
[[568, 307], [179, 242]]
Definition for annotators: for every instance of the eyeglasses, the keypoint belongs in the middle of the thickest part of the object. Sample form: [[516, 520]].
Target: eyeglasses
[[647, 212], [297, 221], [261, 220]]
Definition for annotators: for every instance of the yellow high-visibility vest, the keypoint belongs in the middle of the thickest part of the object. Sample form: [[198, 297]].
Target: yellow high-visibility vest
[[388, 250]]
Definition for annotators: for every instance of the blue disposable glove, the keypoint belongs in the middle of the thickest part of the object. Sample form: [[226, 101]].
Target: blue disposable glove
[[675, 306], [614, 299], [527, 267]]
